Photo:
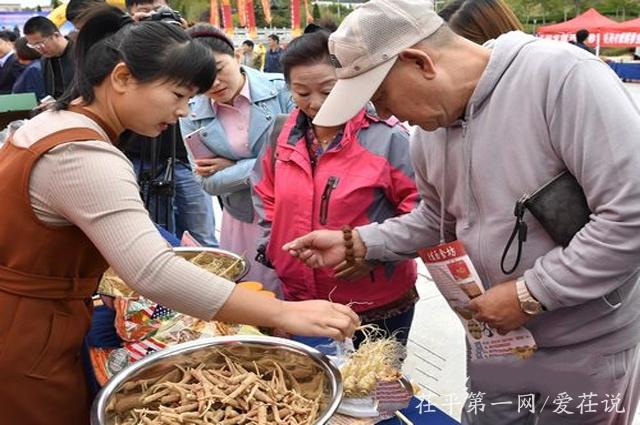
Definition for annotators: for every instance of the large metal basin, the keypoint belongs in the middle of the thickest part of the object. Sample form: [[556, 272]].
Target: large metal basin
[[192, 354]]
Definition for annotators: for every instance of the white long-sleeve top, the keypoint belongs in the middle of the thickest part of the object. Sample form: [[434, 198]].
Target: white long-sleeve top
[[92, 185]]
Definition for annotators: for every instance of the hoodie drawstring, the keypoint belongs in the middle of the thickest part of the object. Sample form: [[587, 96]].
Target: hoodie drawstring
[[466, 130], [443, 197]]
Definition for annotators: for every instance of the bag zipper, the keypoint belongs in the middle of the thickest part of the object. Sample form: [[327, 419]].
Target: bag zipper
[[332, 183], [527, 196]]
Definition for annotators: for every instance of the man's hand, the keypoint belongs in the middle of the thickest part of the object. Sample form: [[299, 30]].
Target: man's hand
[[45, 104], [208, 167], [354, 271], [323, 248], [499, 308], [141, 16]]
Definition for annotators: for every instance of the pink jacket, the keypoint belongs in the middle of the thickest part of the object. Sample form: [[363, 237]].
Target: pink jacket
[[366, 179]]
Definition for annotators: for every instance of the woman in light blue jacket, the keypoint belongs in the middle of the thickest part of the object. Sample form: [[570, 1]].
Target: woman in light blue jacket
[[233, 119]]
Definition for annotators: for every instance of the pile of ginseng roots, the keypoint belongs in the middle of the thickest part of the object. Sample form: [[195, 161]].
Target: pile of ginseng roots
[[286, 389]]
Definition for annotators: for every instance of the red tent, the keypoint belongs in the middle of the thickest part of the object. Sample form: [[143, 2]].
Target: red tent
[[590, 20], [604, 32], [630, 25], [624, 34]]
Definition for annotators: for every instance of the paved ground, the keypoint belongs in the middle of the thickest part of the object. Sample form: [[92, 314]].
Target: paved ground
[[634, 89], [436, 351]]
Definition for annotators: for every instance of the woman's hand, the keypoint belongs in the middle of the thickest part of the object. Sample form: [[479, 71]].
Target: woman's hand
[[210, 166], [318, 318], [306, 318]]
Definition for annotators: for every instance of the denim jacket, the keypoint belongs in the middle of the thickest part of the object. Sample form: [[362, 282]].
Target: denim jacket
[[269, 97]]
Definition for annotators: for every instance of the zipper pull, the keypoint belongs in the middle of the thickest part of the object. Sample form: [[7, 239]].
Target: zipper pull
[[332, 183], [463, 124], [519, 211], [333, 180]]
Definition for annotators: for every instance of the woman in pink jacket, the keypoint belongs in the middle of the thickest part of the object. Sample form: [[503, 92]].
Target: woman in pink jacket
[[325, 178]]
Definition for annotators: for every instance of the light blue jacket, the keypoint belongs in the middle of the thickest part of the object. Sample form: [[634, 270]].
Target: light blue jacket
[[269, 97]]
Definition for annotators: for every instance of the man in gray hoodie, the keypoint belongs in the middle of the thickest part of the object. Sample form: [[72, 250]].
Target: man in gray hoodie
[[494, 125]]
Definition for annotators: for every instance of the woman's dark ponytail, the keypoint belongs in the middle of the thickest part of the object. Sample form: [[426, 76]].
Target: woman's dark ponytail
[[151, 51], [96, 52]]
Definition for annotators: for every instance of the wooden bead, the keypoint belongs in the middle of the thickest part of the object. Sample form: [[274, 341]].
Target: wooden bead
[[349, 252]]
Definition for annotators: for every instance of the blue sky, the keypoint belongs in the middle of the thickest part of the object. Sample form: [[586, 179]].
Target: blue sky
[[28, 3]]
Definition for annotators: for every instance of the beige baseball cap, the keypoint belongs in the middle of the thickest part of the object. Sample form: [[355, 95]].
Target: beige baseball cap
[[365, 47]]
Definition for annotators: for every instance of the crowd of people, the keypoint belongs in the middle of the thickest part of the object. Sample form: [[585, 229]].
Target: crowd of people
[[308, 151]]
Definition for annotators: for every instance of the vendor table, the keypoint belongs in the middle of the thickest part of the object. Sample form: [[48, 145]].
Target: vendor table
[[420, 413], [103, 335], [626, 70], [15, 107]]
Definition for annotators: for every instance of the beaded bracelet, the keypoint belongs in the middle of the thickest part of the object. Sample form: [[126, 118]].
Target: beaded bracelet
[[349, 253]]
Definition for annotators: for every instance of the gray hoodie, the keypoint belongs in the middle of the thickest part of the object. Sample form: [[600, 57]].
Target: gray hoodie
[[540, 108]]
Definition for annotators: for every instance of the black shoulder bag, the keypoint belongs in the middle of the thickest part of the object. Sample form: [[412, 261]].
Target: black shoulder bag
[[561, 208]]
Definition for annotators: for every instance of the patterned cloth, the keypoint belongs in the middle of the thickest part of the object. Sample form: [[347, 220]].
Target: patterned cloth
[[161, 312]]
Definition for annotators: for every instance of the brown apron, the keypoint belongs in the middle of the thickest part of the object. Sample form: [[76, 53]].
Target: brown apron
[[47, 277]]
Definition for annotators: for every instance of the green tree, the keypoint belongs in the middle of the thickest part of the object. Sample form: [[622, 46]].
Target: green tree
[[259, 11], [280, 13], [191, 10], [623, 9]]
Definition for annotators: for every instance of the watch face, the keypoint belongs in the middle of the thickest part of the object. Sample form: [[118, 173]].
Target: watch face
[[531, 307]]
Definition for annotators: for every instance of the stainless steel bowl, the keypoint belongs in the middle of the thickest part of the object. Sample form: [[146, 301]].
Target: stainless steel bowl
[[192, 353], [190, 252]]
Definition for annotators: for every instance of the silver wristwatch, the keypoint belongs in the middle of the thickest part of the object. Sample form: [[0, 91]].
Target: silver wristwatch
[[528, 304]]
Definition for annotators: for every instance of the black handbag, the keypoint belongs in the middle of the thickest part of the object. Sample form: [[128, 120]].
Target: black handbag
[[561, 208]]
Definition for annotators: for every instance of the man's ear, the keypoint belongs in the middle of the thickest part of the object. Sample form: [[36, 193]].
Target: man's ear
[[418, 59], [121, 78]]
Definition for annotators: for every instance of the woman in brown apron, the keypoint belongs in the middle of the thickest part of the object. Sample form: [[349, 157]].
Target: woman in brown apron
[[71, 206]]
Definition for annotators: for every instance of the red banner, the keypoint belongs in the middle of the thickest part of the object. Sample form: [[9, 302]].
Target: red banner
[[214, 19], [251, 19], [308, 12], [295, 18], [607, 39], [242, 13], [266, 9], [227, 18]]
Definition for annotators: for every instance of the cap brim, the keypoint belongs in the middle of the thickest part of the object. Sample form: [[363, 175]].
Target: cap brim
[[350, 95]]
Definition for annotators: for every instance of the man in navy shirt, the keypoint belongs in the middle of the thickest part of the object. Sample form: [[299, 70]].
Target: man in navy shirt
[[10, 68], [272, 61]]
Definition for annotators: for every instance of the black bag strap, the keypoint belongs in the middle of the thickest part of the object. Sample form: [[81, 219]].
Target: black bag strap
[[519, 229]]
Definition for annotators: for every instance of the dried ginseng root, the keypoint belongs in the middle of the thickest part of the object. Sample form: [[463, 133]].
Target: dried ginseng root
[[257, 391], [378, 358]]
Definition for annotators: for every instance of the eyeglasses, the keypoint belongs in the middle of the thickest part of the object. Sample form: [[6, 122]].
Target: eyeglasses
[[40, 44]]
